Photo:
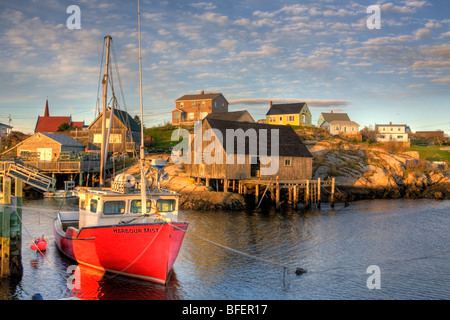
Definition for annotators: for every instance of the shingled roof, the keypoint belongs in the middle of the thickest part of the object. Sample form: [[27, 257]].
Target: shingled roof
[[63, 139], [290, 144], [335, 116], [229, 116], [286, 108]]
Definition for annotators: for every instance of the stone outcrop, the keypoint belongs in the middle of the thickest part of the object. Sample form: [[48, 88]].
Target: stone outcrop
[[366, 173]]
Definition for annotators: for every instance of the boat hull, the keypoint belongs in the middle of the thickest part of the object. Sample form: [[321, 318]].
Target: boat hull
[[144, 251]]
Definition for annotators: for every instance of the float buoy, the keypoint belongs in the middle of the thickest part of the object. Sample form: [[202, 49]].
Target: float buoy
[[40, 244]]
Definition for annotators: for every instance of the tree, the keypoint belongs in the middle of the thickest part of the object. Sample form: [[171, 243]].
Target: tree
[[64, 127], [138, 120]]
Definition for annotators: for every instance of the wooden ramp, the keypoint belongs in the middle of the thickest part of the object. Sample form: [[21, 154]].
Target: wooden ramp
[[31, 176]]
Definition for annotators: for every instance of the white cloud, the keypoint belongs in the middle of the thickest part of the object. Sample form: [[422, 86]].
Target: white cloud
[[441, 80], [421, 34], [310, 102], [203, 5]]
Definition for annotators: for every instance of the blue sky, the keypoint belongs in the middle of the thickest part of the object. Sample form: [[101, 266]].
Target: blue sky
[[252, 51]]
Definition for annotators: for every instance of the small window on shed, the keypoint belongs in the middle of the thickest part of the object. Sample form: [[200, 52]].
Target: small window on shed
[[288, 162]]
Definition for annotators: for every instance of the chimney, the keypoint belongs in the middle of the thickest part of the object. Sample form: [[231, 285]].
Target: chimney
[[202, 92], [331, 111], [390, 123], [46, 113], [270, 105]]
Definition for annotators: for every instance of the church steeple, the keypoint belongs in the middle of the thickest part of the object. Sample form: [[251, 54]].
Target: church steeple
[[46, 113]]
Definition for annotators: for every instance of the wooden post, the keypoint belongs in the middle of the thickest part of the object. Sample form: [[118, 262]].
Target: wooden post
[[5, 232], [277, 195], [256, 193], [332, 192], [207, 182], [307, 194], [234, 185], [225, 185], [295, 196], [318, 193]]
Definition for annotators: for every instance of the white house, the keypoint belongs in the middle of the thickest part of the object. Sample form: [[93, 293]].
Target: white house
[[392, 132]]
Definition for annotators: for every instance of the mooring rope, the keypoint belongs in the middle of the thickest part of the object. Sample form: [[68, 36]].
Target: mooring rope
[[285, 267], [65, 275]]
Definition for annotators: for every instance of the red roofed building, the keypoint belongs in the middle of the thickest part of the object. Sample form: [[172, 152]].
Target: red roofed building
[[50, 124]]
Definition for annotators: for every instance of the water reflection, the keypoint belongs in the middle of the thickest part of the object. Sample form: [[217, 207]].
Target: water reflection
[[408, 239]]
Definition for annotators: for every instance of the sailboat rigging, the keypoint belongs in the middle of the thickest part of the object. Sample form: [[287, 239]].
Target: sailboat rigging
[[129, 228]]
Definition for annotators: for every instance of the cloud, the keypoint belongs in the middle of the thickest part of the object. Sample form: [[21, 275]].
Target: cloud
[[430, 64], [203, 5], [421, 34], [310, 102], [390, 7], [441, 80]]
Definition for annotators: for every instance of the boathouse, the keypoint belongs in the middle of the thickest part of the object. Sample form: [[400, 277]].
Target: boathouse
[[125, 132], [48, 147], [287, 156]]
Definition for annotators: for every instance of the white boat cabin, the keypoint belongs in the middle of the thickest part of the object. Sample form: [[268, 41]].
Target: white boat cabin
[[102, 206]]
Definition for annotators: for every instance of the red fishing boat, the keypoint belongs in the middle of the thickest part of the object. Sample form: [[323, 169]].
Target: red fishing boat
[[110, 231]]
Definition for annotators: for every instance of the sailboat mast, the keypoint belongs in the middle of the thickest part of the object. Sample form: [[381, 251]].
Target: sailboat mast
[[104, 136], [142, 150]]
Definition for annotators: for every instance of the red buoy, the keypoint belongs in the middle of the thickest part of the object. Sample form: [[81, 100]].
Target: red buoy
[[40, 244]]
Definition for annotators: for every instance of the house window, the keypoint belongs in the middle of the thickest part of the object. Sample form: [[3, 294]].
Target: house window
[[203, 103], [288, 162], [272, 119], [303, 118], [181, 104], [291, 118], [399, 137], [176, 115], [190, 116], [281, 118]]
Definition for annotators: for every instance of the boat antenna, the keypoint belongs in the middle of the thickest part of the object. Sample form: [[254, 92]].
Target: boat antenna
[[142, 149], [104, 137]]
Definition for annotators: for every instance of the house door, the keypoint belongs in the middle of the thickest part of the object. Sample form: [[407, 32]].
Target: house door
[[255, 168], [45, 154]]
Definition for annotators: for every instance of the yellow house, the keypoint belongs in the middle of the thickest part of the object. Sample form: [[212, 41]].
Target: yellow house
[[294, 114]]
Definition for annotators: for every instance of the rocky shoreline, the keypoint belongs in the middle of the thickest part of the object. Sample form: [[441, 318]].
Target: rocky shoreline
[[361, 173]]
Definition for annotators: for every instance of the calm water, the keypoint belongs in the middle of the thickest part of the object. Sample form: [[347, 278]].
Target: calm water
[[407, 239]]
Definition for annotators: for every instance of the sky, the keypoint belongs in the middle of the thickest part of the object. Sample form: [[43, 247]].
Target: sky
[[252, 51]]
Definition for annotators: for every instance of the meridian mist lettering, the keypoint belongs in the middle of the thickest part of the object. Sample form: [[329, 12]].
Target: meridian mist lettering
[[235, 146]]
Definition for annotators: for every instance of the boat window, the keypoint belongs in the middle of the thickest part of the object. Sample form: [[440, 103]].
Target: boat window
[[114, 207], [83, 204], [93, 207], [165, 205], [136, 206]]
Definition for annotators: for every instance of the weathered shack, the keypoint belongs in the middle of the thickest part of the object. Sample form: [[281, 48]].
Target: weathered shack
[[48, 147], [125, 132], [233, 150]]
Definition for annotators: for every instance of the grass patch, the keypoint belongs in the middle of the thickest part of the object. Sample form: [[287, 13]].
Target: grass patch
[[431, 153], [162, 135]]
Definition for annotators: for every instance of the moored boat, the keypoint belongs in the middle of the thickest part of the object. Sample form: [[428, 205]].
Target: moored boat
[[111, 230], [110, 233]]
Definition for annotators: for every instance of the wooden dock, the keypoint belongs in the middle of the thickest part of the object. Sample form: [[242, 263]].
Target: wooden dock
[[10, 228], [310, 189], [308, 192]]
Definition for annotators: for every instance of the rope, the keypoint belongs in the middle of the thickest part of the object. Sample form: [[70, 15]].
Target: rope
[[39, 250], [284, 266]]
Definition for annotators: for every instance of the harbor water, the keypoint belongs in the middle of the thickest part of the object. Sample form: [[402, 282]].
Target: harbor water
[[378, 249]]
